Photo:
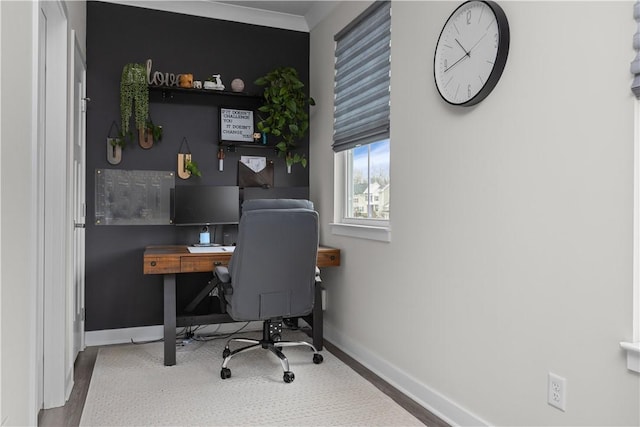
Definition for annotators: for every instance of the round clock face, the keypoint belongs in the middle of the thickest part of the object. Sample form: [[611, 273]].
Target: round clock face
[[471, 52]]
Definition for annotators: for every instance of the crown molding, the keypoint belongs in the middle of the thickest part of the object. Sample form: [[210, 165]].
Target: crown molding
[[223, 11], [318, 12]]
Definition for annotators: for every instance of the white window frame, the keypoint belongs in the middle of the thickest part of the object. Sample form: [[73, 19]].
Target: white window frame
[[633, 347], [364, 228], [372, 229]]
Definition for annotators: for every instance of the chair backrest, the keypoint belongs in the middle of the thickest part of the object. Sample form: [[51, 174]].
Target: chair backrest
[[273, 265]]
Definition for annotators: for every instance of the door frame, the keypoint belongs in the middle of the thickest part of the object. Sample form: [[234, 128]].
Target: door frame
[[53, 228]]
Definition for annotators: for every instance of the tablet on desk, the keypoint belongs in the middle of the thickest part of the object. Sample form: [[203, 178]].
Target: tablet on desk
[[210, 249]]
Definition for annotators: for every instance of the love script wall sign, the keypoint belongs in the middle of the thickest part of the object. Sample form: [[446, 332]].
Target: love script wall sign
[[158, 78]]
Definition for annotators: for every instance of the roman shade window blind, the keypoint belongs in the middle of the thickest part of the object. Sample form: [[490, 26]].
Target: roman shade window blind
[[362, 78], [635, 65]]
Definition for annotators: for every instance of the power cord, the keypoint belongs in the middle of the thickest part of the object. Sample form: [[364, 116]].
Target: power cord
[[187, 334], [220, 336], [179, 335]]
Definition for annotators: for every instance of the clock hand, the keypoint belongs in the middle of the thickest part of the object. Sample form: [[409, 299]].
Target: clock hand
[[465, 50], [454, 64], [466, 54], [478, 42]]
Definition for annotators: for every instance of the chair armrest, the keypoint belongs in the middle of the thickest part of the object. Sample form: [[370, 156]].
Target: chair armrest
[[223, 286], [222, 273], [224, 281]]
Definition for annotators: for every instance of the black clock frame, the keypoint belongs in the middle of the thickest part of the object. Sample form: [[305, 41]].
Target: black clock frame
[[501, 55]]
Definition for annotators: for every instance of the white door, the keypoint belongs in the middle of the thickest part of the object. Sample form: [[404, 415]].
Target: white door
[[54, 204], [79, 207]]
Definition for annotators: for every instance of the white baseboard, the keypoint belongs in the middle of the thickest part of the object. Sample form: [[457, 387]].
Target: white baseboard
[[151, 333], [124, 335], [441, 406]]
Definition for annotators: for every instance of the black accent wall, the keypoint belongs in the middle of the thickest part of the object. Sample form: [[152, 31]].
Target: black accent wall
[[117, 294]]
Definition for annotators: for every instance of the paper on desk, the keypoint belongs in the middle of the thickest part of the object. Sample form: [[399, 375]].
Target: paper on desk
[[209, 249], [255, 163]]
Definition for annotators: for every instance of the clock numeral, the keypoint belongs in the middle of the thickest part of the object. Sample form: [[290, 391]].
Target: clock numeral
[[495, 40], [468, 17], [446, 64], [469, 91]]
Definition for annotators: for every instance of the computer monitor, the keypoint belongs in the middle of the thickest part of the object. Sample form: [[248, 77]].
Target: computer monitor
[[206, 205]]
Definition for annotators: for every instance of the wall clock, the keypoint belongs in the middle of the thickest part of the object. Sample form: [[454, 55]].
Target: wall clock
[[471, 52]]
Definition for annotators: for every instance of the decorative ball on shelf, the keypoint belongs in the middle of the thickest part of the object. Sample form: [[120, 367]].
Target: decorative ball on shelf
[[237, 85]]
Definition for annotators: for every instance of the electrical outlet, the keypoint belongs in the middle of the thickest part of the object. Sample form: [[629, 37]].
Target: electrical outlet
[[557, 391]]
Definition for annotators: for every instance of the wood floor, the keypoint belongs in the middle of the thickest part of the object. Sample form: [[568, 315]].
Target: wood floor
[[69, 414]]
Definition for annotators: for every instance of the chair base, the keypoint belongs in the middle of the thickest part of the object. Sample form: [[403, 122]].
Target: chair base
[[270, 341]]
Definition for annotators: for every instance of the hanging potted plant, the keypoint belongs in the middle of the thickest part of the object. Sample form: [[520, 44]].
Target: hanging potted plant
[[134, 90], [186, 166], [116, 141], [285, 111], [149, 134], [192, 167]]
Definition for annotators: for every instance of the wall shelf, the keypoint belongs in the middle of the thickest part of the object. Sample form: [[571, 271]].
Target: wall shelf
[[168, 93], [232, 146]]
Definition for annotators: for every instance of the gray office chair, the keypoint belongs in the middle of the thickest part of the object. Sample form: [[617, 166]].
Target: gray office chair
[[271, 275]]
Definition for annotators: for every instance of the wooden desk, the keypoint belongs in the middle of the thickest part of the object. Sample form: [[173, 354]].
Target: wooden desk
[[172, 260]]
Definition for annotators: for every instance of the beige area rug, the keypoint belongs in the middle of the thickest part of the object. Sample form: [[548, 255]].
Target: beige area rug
[[131, 386]]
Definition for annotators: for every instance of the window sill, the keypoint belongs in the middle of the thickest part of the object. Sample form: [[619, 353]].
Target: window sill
[[633, 355], [381, 234]]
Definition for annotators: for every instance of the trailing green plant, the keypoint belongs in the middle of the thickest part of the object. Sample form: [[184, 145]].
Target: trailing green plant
[[116, 137], [296, 158], [134, 88], [118, 141], [192, 167], [155, 130], [285, 110]]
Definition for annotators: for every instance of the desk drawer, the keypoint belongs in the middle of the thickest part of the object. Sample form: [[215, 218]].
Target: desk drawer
[[201, 263], [328, 259], [161, 264]]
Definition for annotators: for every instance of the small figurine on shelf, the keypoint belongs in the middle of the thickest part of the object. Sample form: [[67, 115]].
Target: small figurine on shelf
[[185, 80], [214, 82]]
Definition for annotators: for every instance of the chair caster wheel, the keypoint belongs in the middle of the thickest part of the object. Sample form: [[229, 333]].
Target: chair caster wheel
[[317, 358], [225, 373], [288, 377], [226, 353]]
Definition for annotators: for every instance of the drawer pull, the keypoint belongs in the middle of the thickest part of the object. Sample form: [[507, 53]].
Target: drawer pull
[[333, 257], [153, 263], [217, 263]]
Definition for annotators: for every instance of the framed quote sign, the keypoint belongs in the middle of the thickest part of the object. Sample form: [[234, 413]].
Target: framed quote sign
[[236, 125]]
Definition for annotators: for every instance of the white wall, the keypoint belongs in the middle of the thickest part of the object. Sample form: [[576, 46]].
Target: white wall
[[511, 251], [16, 169], [20, 397]]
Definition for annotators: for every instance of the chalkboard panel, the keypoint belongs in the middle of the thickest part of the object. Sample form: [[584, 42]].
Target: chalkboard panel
[[133, 197]]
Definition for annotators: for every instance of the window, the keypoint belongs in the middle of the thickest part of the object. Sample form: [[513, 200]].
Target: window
[[362, 118], [367, 181]]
